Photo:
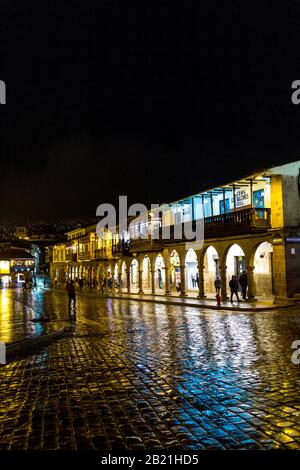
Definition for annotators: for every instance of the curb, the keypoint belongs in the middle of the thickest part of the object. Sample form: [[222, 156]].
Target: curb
[[170, 301], [210, 307], [27, 344]]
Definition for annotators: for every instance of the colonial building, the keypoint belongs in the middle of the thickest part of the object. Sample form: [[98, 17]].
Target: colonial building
[[251, 224], [16, 265]]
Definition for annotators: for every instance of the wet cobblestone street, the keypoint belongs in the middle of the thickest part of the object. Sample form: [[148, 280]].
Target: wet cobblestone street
[[135, 375]]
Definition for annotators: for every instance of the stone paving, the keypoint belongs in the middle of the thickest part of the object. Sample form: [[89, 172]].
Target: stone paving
[[135, 375], [18, 318]]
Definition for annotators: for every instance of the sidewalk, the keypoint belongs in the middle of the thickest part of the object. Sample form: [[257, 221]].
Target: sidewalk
[[191, 301], [255, 306]]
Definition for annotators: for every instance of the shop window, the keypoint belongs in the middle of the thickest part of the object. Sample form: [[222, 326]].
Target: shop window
[[227, 206], [259, 199], [259, 202]]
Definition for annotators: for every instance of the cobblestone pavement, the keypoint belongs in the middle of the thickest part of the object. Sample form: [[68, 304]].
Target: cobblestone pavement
[[18, 318], [139, 376]]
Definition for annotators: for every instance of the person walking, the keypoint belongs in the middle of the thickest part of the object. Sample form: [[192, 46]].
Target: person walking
[[71, 294], [217, 284], [233, 284], [243, 280], [197, 280]]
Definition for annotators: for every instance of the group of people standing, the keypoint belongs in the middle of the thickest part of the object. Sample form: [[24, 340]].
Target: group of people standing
[[234, 286], [71, 289], [89, 284], [29, 284]]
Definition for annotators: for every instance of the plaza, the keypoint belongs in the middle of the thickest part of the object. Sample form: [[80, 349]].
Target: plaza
[[142, 376]]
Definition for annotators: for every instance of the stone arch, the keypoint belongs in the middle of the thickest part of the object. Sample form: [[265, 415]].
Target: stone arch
[[175, 270], [123, 275], [210, 262], [134, 274], [224, 250], [261, 259], [191, 272], [159, 267], [235, 259], [145, 265]]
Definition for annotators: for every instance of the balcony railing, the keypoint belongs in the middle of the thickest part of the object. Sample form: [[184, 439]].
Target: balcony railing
[[242, 221], [71, 256], [84, 256], [145, 244], [100, 253], [121, 249], [233, 223]]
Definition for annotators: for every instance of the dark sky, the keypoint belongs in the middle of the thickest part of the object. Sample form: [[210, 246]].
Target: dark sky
[[149, 99]]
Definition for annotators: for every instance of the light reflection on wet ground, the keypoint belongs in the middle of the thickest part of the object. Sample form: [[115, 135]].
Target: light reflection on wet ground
[[141, 375]]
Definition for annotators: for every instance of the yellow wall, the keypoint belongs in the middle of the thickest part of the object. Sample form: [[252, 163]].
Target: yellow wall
[[277, 216]]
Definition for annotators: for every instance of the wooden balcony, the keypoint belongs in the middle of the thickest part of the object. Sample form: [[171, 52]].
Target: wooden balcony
[[233, 223], [103, 254], [84, 256], [239, 222], [148, 244], [71, 257], [121, 249]]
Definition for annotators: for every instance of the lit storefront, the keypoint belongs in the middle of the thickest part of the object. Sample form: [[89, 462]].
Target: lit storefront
[[16, 267]]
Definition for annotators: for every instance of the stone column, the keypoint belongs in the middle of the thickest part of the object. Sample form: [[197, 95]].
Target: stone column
[[223, 270], [152, 280], [120, 280], [106, 279], [251, 283], [141, 281], [128, 279], [167, 280], [113, 279], [182, 281], [201, 293], [99, 277], [281, 272]]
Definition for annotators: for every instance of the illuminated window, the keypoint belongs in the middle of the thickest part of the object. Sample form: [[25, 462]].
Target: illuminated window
[[4, 267]]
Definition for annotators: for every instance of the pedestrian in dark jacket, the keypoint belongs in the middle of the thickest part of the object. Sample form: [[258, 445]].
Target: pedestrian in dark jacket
[[71, 294], [243, 280], [217, 284], [233, 284]]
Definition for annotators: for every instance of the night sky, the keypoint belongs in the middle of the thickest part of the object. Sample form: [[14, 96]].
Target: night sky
[[149, 99]]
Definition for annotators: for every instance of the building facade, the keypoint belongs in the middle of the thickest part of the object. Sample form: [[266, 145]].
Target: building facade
[[252, 225], [17, 265]]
